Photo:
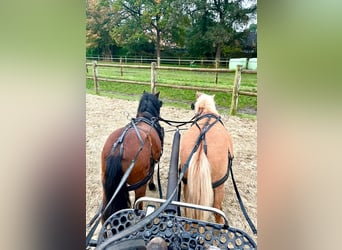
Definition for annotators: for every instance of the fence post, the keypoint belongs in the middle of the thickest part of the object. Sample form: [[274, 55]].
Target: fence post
[[216, 75], [96, 85], [153, 77], [121, 70], [236, 88]]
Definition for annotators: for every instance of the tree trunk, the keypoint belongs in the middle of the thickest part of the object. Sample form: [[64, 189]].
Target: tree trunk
[[158, 47], [218, 54]]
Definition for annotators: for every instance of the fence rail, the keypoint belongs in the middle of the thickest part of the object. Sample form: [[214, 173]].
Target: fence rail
[[174, 60], [235, 90]]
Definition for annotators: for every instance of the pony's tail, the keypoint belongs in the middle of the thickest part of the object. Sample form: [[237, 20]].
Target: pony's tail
[[112, 178], [199, 189]]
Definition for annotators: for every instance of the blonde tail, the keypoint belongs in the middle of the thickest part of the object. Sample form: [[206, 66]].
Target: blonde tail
[[199, 189]]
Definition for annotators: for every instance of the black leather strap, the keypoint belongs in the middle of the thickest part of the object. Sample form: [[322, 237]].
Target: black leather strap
[[159, 183], [240, 200], [225, 177], [203, 132], [219, 182]]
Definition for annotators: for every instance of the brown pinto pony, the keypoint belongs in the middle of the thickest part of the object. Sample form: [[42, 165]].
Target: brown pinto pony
[[209, 163], [123, 146]]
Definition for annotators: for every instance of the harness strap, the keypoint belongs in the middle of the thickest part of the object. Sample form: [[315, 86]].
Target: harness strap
[[225, 177], [209, 115], [159, 183], [137, 132], [201, 137], [122, 182], [133, 124], [181, 123], [143, 181], [154, 123], [121, 138], [240, 200], [222, 180], [151, 170]]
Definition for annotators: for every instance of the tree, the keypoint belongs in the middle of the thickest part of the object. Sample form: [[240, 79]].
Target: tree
[[208, 28], [99, 23], [198, 42], [249, 40], [147, 20], [217, 22]]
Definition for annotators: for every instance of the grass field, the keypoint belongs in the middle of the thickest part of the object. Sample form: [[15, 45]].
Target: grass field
[[247, 105]]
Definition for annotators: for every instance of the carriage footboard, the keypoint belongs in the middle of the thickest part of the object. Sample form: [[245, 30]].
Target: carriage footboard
[[178, 232]]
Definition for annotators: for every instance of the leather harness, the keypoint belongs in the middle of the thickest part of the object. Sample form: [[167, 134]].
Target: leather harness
[[206, 127], [133, 125]]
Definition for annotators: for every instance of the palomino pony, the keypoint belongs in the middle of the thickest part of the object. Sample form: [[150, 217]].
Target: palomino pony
[[140, 143], [208, 167]]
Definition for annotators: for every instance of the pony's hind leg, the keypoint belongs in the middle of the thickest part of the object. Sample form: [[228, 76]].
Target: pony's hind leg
[[140, 192], [151, 185], [218, 199]]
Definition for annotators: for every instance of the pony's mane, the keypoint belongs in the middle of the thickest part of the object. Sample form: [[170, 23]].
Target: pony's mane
[[205, 104], [149, 103]]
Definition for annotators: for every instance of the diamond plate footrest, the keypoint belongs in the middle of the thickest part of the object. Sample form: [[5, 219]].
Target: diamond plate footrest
[[178, 232]]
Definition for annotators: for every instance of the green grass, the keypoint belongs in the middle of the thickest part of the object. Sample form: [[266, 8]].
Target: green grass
[[248, 81], [172, 96]]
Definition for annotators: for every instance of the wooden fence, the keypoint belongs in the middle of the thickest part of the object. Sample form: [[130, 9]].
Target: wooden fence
[[180, 61], [235, 90]]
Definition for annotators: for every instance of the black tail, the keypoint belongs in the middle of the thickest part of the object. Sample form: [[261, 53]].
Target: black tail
[[113, 177]]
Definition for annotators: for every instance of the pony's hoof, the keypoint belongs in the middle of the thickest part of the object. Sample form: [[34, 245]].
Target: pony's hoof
[[152, 187]]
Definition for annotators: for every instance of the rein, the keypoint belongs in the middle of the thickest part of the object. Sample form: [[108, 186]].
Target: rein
[[250, 223], [181, 123]]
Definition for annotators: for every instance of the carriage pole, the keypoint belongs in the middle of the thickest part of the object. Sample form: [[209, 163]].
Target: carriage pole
[[173, 172]]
